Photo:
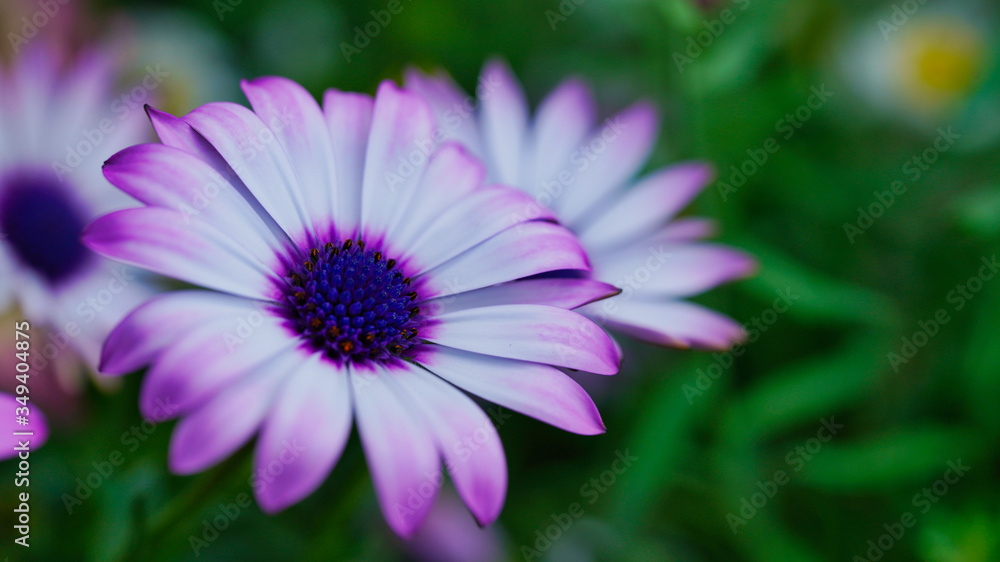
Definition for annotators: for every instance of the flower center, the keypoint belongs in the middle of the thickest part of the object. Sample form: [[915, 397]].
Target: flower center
[[42, 225], [352, 303], [944, 59]]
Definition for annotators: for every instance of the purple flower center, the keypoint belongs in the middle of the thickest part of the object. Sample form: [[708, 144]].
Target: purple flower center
[[352, 303], [42, 225]]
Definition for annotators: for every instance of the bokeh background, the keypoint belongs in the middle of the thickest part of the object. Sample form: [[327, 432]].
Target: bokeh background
[[877, 208]]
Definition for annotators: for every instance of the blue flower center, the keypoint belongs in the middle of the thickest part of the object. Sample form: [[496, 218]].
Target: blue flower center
[[352, 303], [42, 225]]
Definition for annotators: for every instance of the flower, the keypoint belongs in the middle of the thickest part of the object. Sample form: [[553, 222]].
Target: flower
[[582, 174], [358, 272], [56, 124], [36, 425], [924, 66]]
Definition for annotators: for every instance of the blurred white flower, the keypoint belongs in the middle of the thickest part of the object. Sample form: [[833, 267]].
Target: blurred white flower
[[927, 65]]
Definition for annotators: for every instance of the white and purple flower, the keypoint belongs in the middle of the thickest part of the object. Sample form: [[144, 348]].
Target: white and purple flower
[[54, 132], [356, 275], [584, 174]]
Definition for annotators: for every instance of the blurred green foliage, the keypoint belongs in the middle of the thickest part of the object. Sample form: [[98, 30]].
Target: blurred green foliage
[[700, 455]]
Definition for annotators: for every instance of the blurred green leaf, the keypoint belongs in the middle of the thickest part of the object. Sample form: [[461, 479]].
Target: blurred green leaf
[[824, 298], [900, 457], [969, 536], [810, 389], [978, 212], [661, 438], [124, 497], [981, 362], [683, 15]]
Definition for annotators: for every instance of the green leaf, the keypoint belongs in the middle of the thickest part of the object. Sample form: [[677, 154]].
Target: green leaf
[[978, 212], [683, 15], [902, 457], [662, 439], [982, 361], [823, 298], [810, 389]]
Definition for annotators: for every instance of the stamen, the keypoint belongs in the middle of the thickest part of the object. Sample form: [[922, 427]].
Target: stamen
[[348, 306]]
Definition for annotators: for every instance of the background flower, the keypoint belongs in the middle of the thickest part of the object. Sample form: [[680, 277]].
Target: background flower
[[581, 170], [929, 64], [58, 119]]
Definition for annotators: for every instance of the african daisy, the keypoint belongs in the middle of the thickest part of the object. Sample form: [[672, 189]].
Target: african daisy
[[357, 273], [58, 122], [583, 174]]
